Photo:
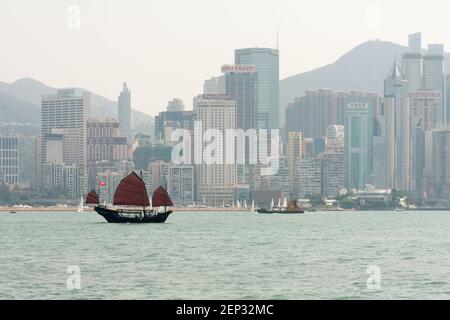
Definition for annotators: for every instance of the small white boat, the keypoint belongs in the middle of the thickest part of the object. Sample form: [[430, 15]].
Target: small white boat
[[253, 209], [81, 206]]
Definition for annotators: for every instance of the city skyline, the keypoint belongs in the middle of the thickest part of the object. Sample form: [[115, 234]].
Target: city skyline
[[385, 134], [120, 43]]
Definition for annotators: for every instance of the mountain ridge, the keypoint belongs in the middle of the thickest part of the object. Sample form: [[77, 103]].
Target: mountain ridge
[[362, 68], [26, 92]]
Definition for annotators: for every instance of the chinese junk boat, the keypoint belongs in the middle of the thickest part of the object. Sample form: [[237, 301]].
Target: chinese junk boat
[[131, 203]]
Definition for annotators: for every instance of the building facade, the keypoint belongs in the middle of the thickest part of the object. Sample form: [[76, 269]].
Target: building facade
[[398, 130], [215, 179], [64, 118], [266, 61], [9, 160], [180, 184], [104, 145], [358, 145]]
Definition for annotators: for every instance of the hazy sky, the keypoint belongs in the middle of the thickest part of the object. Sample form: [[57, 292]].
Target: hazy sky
[[166, 48]]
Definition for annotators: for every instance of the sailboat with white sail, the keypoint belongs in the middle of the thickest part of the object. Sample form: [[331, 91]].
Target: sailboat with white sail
[[81, 206]]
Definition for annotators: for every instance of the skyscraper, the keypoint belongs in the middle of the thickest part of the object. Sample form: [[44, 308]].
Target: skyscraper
[[358, 145], [104, 144], [215, 85], [398, 130], [65, 114], [215, 181], [433, 74], [240, 85], [425, 106], [9, 159], [415, 42], [266, 61], [412, 63], [316, 110], [124, 110], [441, 162]]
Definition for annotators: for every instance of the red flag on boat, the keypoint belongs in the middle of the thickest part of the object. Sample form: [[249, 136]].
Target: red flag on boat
[[102, 184]]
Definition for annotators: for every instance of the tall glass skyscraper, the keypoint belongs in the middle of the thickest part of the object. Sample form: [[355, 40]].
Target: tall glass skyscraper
[[358, 145], [124, 110], [240, 84], [266, 61]]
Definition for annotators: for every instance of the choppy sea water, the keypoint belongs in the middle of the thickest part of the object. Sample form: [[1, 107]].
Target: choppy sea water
[[228, 255]]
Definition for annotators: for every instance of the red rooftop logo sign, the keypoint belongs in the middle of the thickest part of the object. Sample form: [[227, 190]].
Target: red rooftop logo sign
[[238, 68]]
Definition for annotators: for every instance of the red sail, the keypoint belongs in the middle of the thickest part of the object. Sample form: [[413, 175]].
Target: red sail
[[161, 198], [92, 198], [131, 192]]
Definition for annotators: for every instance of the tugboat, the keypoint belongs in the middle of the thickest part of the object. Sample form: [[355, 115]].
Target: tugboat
[[290, 207], [131, 195]]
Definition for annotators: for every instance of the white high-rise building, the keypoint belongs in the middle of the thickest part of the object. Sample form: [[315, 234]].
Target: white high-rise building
[[65, 114], [215, 180], [308, 173]]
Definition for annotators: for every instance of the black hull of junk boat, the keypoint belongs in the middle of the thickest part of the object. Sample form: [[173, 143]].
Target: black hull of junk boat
[[130, 216]]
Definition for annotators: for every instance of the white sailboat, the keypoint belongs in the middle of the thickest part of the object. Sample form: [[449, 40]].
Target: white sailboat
[[81, 206], [253, 206], [272, 204], [279, 202], [285, 203], [238, 204], [245, 204]]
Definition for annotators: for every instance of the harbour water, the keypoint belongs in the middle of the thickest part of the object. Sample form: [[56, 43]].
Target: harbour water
[[228, 255]]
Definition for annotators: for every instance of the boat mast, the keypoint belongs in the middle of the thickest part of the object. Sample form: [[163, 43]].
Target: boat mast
[[142, 178]]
